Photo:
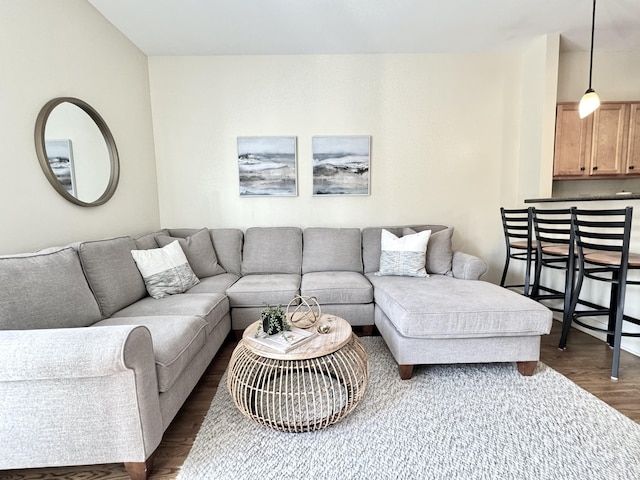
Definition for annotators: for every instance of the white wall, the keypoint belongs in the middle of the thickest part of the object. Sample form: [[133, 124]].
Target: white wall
[[65, 48], [615, 76], [539, 92], [443, 127]]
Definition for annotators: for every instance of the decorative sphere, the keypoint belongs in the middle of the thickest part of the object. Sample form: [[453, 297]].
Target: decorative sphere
[[303, 312]]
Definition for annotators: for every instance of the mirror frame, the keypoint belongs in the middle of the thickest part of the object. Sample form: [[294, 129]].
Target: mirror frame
[[41, 152]]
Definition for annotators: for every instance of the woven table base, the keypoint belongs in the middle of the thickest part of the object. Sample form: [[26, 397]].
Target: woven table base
[[298, 395]]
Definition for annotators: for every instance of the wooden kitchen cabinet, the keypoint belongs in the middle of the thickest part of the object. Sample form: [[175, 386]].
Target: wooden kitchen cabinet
[[573, 142], [633, 152], [609, 139], [603, 145]]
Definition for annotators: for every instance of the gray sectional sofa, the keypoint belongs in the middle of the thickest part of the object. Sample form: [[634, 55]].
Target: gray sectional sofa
[[93, 369]]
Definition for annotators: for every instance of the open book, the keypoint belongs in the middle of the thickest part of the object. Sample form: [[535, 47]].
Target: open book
[[285, 341]]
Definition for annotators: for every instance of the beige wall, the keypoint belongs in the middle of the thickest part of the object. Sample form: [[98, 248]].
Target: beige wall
[[539, 91], [65, 48], [615, 76], [445, 138]]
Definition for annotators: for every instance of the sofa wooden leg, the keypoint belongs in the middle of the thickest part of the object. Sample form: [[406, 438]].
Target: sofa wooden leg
[[140, 470], [367, 330], [406, 371], [527, 368]]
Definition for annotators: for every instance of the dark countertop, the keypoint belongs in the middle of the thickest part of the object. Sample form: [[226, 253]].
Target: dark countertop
[[585, 198]]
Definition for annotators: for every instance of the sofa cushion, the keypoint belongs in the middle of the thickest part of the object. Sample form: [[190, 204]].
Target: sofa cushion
[[332, 249], [405, 256], [165, 270], [149, 240], [263, 290], [227, 243], [216, 284], [371, 243], [272, 250], [211, 307], [439, 251], [199, 252], [176, 340], [337, 287], [112, 273], [444, 307], [45, 290]]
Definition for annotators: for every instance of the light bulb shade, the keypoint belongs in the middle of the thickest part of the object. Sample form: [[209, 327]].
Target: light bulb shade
[[589, 103]]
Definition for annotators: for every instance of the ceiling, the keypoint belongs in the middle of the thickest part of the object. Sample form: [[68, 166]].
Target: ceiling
[[276, 27]]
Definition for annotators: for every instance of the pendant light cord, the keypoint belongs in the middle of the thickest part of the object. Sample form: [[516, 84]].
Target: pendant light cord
[[593, 27]]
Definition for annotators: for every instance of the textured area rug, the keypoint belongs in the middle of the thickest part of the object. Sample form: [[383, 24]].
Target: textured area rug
[[447, 422]]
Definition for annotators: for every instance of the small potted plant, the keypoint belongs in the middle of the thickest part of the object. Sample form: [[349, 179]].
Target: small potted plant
[[273, 320]]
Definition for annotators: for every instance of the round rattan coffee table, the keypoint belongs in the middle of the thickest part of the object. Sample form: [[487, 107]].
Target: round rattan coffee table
[[308, 388]]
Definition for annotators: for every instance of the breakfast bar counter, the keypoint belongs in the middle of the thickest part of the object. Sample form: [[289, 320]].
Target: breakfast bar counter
[[587, 198]]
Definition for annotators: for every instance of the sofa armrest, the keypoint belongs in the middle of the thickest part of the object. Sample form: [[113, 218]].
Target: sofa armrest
[[68, 352], [467, 266], [97, 384]]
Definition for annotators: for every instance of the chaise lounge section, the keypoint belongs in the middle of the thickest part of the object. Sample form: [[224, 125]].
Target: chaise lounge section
[[450, 316]]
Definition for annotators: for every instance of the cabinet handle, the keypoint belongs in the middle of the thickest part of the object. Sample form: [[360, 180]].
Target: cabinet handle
[[582, 169], [631, 167], [595, 168]]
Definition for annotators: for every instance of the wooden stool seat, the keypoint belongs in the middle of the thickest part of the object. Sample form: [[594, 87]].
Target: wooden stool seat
[[555, 248], [559, 249], [611, 258], [522, 245]]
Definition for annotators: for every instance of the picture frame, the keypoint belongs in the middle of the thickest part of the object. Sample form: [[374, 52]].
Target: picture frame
[[341, 165], [267, 166], [60, 158]]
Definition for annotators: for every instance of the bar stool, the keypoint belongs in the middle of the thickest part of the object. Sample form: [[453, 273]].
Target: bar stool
[[518, 236], [554, 250], [602, 241]]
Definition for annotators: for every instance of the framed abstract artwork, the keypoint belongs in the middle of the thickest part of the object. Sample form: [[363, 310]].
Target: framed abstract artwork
[[267, 166], [341, 165]]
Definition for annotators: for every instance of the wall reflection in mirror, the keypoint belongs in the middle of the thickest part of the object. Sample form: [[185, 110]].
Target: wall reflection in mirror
[[60, 156], [76, 151]]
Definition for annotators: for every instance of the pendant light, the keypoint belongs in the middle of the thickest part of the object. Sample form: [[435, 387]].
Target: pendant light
[[590, 100]]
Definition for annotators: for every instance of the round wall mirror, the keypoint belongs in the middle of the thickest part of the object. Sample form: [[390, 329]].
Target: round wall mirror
[[77, 152]]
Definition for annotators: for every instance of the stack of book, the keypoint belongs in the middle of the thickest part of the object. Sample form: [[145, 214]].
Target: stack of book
[[284, 341]]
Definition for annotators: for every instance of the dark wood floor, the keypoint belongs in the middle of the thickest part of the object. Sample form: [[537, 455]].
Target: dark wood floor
[[587, 362]]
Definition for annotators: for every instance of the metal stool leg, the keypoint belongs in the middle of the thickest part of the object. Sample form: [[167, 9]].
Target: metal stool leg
[[567, 317], [621, 288], [504, 272]]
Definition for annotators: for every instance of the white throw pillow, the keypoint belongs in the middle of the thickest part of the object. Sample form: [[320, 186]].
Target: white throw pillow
[[439, 250], [405, 256], [165, 270]]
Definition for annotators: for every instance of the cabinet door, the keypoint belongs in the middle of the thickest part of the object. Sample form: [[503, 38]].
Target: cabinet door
[[633, 151], [573, 142], [609, 141]]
